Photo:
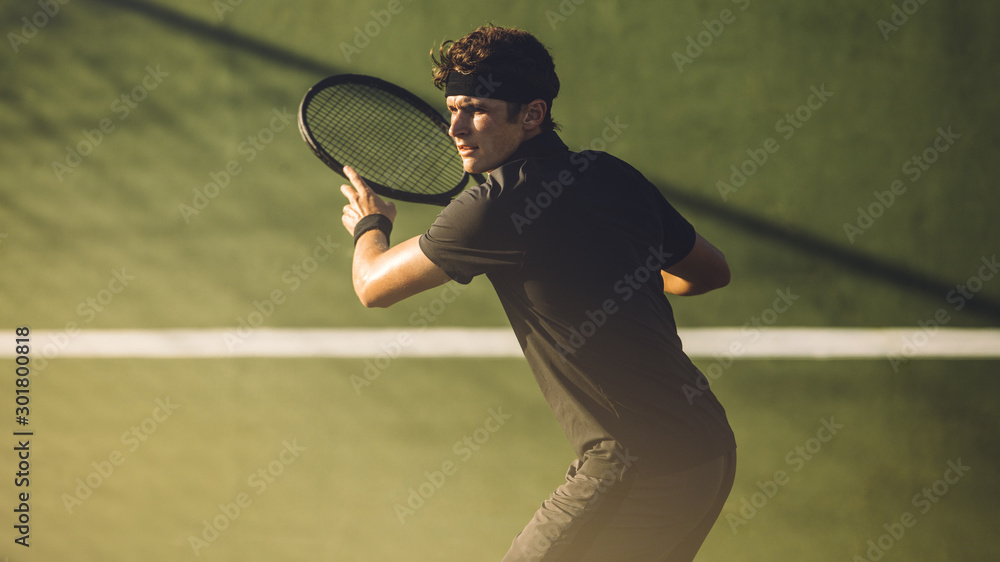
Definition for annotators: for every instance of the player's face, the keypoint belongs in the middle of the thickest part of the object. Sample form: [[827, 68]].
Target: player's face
[[484, 135]]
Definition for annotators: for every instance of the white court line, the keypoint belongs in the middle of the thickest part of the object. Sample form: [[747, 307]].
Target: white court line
[[771, 343]]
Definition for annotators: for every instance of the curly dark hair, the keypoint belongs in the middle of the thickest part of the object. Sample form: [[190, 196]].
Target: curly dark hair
[[503, 50]]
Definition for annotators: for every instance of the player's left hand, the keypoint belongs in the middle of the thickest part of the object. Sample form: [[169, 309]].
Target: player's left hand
[[362, 201]]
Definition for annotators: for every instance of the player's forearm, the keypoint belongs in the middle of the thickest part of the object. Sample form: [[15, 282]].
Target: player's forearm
[[368, 271], [677, 286], [704, 269], [383, 276], [685, 288]]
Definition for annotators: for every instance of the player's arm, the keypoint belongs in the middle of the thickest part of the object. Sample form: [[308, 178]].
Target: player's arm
[[701, 271], [382, 275]]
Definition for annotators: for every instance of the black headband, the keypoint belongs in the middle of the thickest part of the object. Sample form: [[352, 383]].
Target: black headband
[[493, 85]]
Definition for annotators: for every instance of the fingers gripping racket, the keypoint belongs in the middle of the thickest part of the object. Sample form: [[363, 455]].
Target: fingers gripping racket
[[395, 141]]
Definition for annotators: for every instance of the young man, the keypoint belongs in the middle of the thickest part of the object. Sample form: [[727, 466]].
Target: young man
[[580, 248]]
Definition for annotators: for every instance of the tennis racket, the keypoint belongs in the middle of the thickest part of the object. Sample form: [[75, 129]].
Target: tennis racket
[[395, 141]]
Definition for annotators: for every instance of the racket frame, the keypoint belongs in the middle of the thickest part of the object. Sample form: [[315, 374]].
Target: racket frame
[[441, 199]]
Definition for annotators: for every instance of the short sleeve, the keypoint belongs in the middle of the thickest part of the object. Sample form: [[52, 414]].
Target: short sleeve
[[467, 239], [678, 234]]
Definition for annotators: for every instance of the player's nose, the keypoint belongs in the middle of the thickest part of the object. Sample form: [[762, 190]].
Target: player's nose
[[459, 125]]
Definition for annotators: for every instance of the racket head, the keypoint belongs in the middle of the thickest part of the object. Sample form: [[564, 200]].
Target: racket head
[[396, 142]]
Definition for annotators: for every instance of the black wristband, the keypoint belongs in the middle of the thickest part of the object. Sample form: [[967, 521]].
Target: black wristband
[[373, 222]]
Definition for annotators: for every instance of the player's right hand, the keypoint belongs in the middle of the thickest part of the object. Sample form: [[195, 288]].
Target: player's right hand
[[362, 201]]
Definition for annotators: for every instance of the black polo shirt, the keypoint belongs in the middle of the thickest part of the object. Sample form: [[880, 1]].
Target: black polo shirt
[[573, 243]]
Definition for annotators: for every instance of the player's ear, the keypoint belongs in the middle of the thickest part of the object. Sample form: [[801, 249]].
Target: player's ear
[[534, 114]]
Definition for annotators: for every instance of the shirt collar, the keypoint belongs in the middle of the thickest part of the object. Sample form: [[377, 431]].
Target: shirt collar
[[539, 145]]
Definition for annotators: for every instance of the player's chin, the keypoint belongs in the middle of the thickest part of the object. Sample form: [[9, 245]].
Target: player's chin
[[477, 165], [471, 165]]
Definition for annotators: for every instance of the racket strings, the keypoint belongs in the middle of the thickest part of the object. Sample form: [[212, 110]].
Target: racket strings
[[385, 138]]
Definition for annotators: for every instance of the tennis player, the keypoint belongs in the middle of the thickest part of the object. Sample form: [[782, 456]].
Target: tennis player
[[580, 249]]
